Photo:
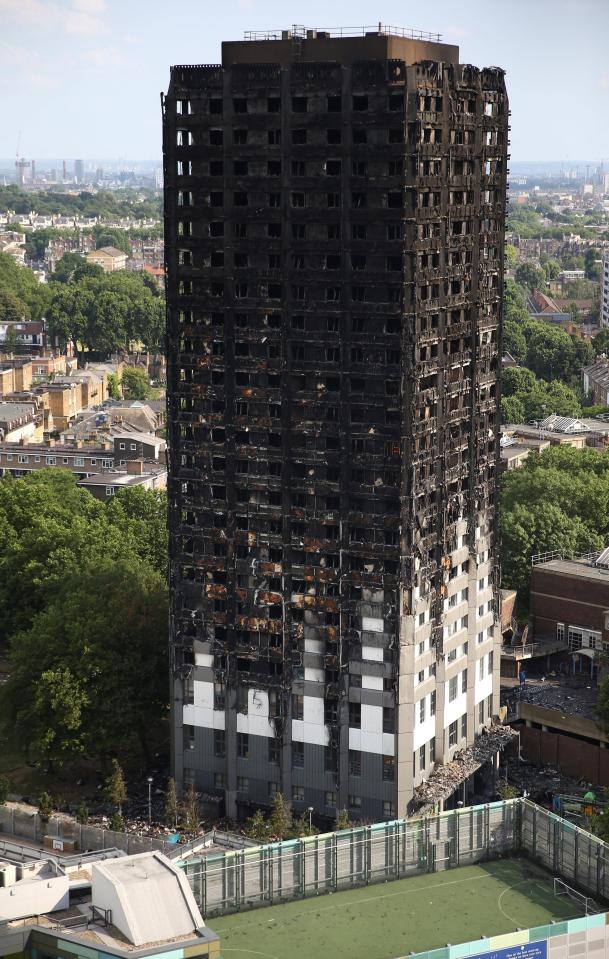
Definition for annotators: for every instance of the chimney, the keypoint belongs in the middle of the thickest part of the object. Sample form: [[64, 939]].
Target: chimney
[[23, 441], [135, 467]]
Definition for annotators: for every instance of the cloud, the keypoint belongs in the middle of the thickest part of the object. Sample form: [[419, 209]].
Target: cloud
[[75, 17], [604, 81]]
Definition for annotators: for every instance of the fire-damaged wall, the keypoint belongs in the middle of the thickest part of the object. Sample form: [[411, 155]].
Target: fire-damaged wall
[[334, 244]]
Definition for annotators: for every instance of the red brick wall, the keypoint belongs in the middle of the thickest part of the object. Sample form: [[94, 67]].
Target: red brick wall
[[571, 756], [558, 598]]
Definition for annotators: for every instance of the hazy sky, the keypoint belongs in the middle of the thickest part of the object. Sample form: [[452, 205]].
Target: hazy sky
[[81, 78]]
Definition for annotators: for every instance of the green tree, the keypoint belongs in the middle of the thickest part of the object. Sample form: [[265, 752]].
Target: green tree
[[530, 276], [58, 706], [135, 383], [116, 790], [114, 386], [66, 267], [342, 820], [600, 343], [117, 823], [512, 410], [22, 282], [514, 340], [190, 810], [511, 256], [551, 269], [143, 514], [109, 237], [45, 805], [280, 819], [257, 827], [517, 379], [12, 309], [82, 813], [171, 804], [102, 638]]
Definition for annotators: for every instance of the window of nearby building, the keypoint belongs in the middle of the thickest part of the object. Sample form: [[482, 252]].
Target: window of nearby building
[[243, 784], [388, 769], [109, 491], [122, 446], [106, 464], [481, 711], [432, 703], [298, 754], [219, 780], [273, 790], [297, 706], [79, 461], [93, 462], [481, 668], [219, 744], [388, 809], [355, 715], [432, 750], [134, 446], [355, 762], [422, 709], [453, 732], [560, 632], [298, 793], [22, 459], [464, 726], [243, 745], [274, 751], [355, 802], [330, 800], [50, 460], [453, 688]]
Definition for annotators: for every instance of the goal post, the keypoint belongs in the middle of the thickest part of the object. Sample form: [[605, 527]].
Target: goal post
[[561, 888]]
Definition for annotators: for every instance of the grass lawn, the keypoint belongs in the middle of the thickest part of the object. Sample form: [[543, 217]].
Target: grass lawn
[[392, 919]]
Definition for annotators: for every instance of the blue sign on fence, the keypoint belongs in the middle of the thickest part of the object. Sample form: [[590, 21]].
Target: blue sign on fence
[[530, 950]]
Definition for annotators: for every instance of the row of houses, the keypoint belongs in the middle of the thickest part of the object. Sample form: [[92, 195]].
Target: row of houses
[[53, 414]]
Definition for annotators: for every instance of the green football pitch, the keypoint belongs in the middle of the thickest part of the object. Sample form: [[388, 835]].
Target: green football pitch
[[396, 918]]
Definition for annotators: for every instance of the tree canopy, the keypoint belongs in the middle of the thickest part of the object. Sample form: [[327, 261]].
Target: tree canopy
[[24, 286], [106, 312], [138, 204], [83, 613], [558, 500]]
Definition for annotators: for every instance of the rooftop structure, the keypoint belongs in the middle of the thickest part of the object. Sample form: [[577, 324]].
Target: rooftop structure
[[334, 215], [130, 905]]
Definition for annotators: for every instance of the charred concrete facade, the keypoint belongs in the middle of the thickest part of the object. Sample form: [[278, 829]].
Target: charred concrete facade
[[334, 212]]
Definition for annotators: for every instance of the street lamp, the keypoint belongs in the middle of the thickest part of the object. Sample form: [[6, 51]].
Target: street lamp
[[149, 799], [310, 812]]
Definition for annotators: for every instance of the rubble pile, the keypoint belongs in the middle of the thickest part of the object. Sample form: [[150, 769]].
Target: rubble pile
[[572, 697], [445, 779]]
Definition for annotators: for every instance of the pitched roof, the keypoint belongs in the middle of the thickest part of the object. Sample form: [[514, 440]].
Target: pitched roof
[[108, 250]]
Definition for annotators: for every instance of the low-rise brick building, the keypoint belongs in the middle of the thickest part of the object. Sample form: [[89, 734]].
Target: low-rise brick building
[[570, 602]]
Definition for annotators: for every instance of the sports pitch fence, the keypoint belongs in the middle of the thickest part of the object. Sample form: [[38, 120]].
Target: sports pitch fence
[[279, 872]]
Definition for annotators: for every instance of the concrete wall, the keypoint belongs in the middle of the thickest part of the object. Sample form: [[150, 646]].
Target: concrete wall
[[33, 897]]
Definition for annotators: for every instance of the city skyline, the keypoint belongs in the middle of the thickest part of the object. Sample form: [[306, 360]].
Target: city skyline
[[93, 54]]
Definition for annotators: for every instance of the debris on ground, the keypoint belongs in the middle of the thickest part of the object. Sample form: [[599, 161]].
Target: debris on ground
[[445, 779]]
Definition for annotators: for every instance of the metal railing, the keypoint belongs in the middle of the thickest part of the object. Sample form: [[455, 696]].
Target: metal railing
[[538, 558], [299, 32]]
